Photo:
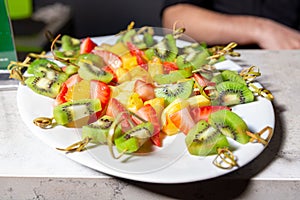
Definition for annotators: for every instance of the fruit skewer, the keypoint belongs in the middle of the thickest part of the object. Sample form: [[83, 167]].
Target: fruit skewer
[[136, 71]]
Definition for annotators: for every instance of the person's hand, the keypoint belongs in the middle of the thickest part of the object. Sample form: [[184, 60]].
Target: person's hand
[[272, 35]]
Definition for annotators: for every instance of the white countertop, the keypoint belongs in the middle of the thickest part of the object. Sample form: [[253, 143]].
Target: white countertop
[[29, 169]]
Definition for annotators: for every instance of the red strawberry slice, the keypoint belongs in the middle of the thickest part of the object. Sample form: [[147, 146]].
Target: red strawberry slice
[[101, 91], [111, 59], [72, 80], [144, 90], [148, 113], [202, 81], [202, 113], [169, 66], [139, 54], [87, 45], [117, 109], [109, 70]]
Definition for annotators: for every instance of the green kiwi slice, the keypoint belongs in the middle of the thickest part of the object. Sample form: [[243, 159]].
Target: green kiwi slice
[[171, 92], [98, 130], [71, 69], [229, 75], [69, 43], [70, 47], [230, 124], [233, 93], [128, 35], [133, 37], [95, 59], [166, 49], [217, 78], [47, 69], [194, 47], [43, 86], [203, 139], [88, 71], [173, 76], [34, 67], [75, 110], [196, 59], [148, 39], [66, 54], [133, 139]]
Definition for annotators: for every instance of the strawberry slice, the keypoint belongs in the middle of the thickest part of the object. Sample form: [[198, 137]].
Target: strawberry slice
[[139, 54], [108, 69], [72, 80], [101, 91], [110, 59], [183, 120], [169, 66], [60, 98], [203, 82], [148, 113], [117, 109], [202, 113], [144, 90], [87, 45]]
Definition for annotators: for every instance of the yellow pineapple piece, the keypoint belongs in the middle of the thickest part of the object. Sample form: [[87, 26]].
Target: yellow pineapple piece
[[134, 102], [78, 91], [155, 67], [170, 128], [140, 73], [123, 91], [123, 75], [167, 125], [129, 61], [119, 48], [198, 101]]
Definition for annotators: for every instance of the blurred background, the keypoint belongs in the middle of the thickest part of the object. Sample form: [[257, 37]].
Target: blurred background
[[79, 18]]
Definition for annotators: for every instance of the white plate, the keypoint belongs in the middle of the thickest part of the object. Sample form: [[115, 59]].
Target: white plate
[[169, 164]]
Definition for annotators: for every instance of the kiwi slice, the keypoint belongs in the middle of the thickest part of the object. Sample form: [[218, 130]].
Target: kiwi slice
[[69, 47], [75, 110], [66, 54], [229, 75], [194, 47], [217, 78], [128, 35], [204, 139], [171, 92], [173, 76], [133, 37], [233, 93], [95, 59], [98, 130], [88, 71], [148, 39], [166, 49], [230, 124], [34, 67], [43, 86], [69, 43], [46, 69], [196, 59], [133, 139], [71, 69]]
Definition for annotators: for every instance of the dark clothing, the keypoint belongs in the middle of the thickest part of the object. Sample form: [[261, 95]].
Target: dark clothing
[[286, 12]]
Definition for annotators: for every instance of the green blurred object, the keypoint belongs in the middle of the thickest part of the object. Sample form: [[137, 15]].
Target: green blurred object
[[19, 9], [7, 47]]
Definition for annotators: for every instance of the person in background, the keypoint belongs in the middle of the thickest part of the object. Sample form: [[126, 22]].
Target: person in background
[[269, 24]]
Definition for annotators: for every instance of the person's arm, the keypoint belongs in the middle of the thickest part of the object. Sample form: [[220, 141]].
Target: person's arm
[[216, 28]]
